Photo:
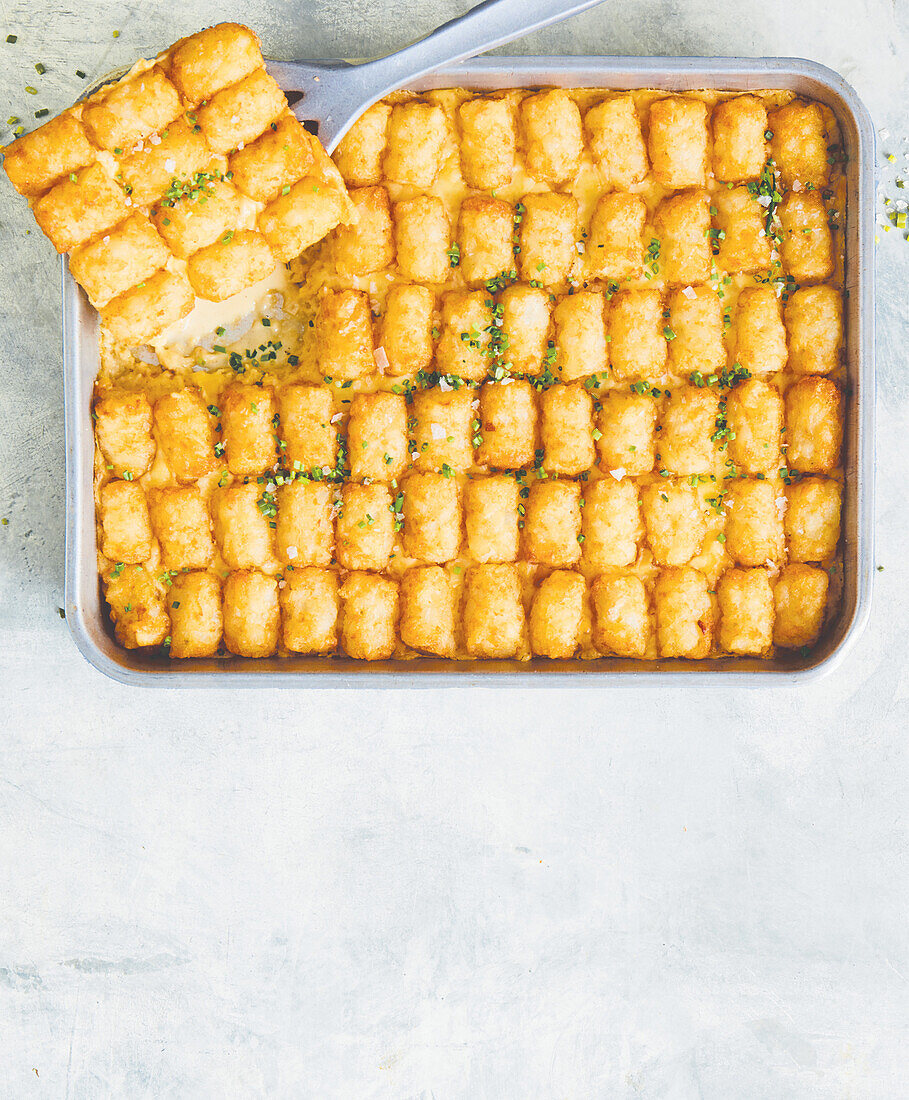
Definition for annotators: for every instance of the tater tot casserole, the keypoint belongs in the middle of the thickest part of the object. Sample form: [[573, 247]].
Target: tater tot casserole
[[533, 373]]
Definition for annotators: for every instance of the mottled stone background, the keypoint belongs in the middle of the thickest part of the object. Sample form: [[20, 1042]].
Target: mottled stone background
[[473, 893]]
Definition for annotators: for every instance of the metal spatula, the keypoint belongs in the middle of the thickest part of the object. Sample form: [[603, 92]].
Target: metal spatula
[[335, 93]]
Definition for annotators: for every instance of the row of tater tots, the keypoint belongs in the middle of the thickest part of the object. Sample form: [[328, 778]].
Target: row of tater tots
[[686, 142], [160, 165], [314, 611], [559, 523], [540, 238], [503, 425], [635, 334]]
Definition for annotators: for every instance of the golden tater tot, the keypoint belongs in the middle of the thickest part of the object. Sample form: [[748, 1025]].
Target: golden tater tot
[[746, 612], [814, 425], [241, 112], [614, 248], [614, 134], [247, 416], [760, 338], [428, 611], [627, 426], [181, 524], [307, 213], [303, 532], [814, 322], [369, 616], [548, 234], [273, 161], [344, 335], [432, 517], [422, 239], [199, 216], [136, 607], [621, 615], [416, 138], [695, 331], [484, 236], [366, 245], [689, 424], [556, 615], [800, 598], [310, 601], [566, 430], [812, 520], [440, 425], [148, 308], [754, 523], [130, 253], [210, 60], [807, 246], [743, 241], [799, 144], [80, 207], [154, 170], [405, 331], [131, 110], [682, 225], [525, 324], [237, 261], [377, 436], [306, 428], [491, 518], [684, 613], [251, 615], [754, 415], [637, 346], [493, 614], [508, 425], [359, 153], [196, 622], [126, 528], [612, 526], [488, 142], [36, 161], [243, 531], [123, 428], [673, 520], [463, 350], [365, 527], [580, 336], [185, 431], [678, 142], [551, 136], [739, 143], [553, 523]]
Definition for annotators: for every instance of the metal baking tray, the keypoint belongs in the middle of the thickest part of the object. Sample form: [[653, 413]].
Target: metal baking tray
[[85, 609]]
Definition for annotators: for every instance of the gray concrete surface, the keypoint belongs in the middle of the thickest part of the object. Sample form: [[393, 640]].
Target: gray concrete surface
[[658, 894]]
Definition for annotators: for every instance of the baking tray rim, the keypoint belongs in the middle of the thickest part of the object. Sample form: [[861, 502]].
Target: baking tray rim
[[681, 73]]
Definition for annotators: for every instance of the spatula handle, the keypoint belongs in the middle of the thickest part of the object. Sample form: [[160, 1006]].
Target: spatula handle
[[491, 23]]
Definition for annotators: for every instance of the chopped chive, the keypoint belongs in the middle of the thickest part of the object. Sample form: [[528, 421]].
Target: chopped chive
[[80, 74], [12, 38], [40, 69], [40, 114], [31, 90], [12, 120], [116, 34]]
